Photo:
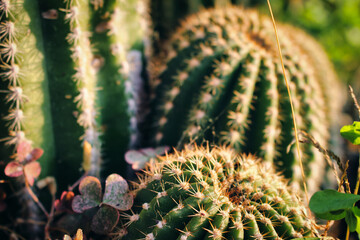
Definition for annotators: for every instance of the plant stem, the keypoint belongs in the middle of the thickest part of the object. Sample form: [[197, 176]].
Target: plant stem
[[354, 99], [47, 226], [291, 104], [358, 178], [34, 197], [347, 233]]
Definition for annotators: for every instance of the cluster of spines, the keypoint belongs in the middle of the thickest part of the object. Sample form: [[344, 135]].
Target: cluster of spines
[[203, 194], [78, 16], [222, 68]]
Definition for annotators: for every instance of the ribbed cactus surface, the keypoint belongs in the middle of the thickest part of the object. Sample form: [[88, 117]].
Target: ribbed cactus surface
[[213, 194], [67, 73], [219, 78]]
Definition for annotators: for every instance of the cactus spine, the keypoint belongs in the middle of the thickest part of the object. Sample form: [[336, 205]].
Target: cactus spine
[[64, 65], [221, 80], [214, 194]]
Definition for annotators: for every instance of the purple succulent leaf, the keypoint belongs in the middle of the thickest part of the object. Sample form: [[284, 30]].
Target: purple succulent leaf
[[139, 158], [105, 220], [32, 170], [136, 159], [120, 202], [90, 189], [116, 195], [23, 150], [115, 184], [82, 203], [153, 152], [14, 169]]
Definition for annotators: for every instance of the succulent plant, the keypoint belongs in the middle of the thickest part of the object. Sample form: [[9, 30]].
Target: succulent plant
[[219, 78], [66, 73], [213, 194]]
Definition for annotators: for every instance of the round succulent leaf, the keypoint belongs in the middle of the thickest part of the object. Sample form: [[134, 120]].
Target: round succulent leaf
[[139, 158], [105, 220], [153, 152], [23, 150], [13, 169], [90, 190], [115, 184], [35, 154], [32, 170], [116, 194], [136, 159]]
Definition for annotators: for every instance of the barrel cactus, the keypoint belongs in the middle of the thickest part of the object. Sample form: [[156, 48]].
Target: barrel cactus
[[66, 76], [219, 78], [213, 194]]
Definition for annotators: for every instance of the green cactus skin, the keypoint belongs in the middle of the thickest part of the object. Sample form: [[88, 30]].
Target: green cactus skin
[[167, 15], [24, 81], [213, 194], [66, 69], [220, 79], [116, 30]]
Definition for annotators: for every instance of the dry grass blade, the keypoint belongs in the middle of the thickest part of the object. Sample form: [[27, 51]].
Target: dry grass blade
[[291, 104], [354, 98], [328, 154]]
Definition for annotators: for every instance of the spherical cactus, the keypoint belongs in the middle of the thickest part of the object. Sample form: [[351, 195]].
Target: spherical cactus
[[213, 194], [220, 79]]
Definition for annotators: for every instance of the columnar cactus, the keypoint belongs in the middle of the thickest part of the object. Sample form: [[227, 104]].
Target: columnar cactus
[[66, 71], [220, 79], [213, 194]]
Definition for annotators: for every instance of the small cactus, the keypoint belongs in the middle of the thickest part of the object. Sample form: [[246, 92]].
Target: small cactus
[[220, 79], [213, 194]]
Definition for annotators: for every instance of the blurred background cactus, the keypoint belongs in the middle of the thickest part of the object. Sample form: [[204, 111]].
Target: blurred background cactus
[[220, 79]]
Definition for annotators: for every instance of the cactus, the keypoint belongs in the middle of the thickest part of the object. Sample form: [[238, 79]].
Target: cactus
[[213, 194], [66, 71], [220, 79], [167, 15]]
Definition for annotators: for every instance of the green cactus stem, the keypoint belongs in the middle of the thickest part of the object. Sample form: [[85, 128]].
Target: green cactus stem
[[117, 30], [214, 194], [25, 105], [66, 68], [219, 78]]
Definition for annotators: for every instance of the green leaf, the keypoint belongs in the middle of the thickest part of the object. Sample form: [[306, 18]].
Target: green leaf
[[351, 133], [351, 220], [330, 201], [337, 215], [356, 212]]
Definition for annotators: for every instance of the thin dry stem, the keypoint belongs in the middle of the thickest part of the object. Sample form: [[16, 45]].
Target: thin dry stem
[[327, 153], [34, 197], [291, 105], [50, 218], [344, 179], [6, 229], [355, 100]]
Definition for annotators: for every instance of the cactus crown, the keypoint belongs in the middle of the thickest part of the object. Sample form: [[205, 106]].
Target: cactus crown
[[214, 194], [220, 79]]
